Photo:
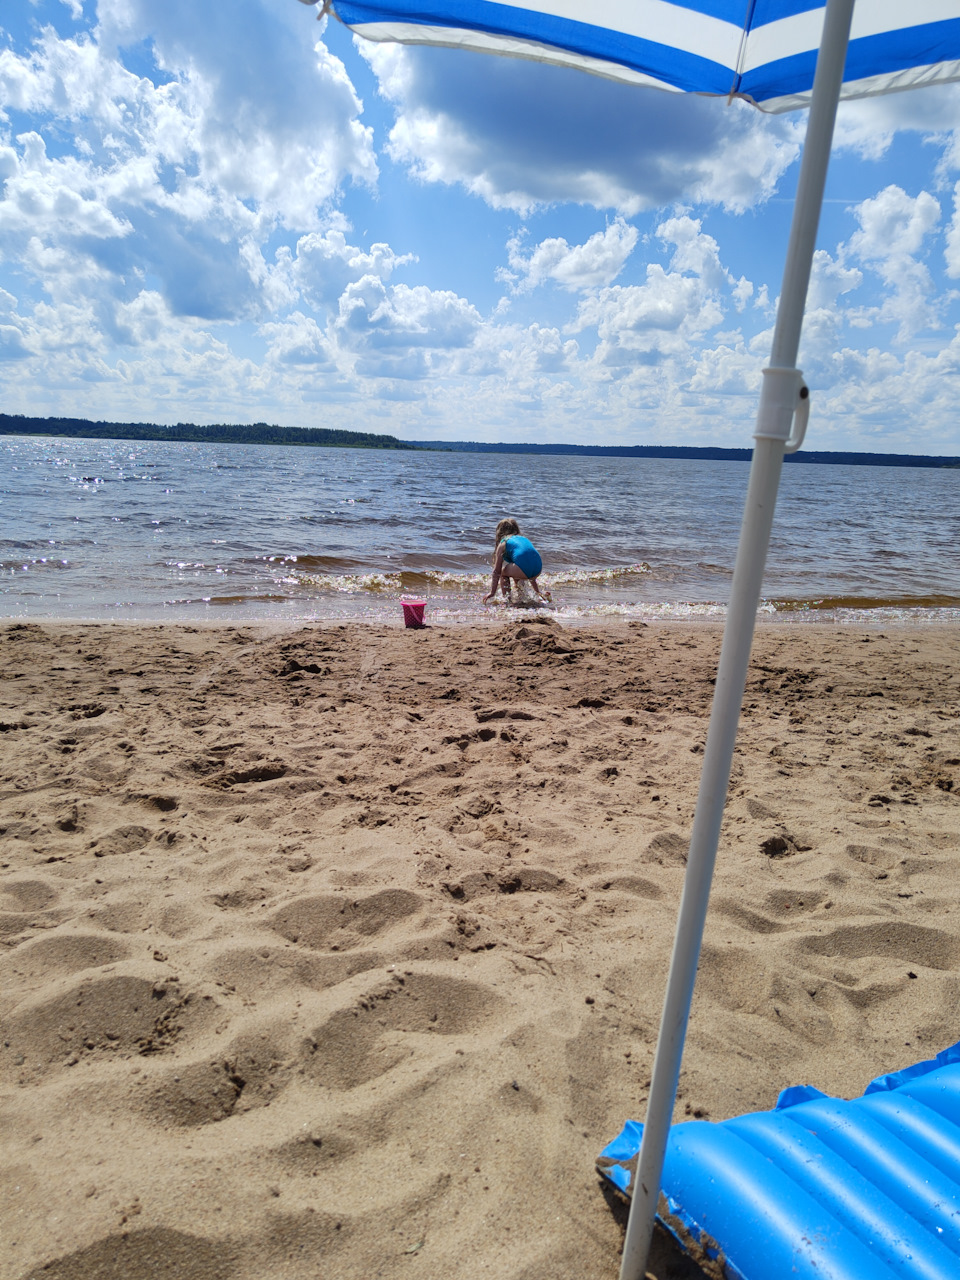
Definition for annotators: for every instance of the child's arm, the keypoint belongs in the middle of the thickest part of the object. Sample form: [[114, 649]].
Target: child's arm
[[497, 570]]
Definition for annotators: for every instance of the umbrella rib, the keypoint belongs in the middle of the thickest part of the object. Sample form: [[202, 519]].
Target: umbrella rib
[[742, 51]]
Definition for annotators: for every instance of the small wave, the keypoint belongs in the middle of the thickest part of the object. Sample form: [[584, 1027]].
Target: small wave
[[190, 566], [447, 580], [450, 580], [893, 617], [309, 563], [350, 583], [33, 564], [867, 603], [36, 544], [598, 577], [246, 600], [665, 610], [873, 612]]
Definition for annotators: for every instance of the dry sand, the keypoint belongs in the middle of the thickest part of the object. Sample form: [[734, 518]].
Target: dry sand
[[339, 953]]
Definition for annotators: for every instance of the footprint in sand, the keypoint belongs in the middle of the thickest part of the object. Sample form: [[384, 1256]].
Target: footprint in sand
[[162, 803], [760, 811], [250, 1072], [121, 840], [522, 880], [60, 954], [121, 917], [897, 940], [753, 921], [23, 902], [791, 903], [635, 885], [733, 978], [157, 1251], [252, 971], [337, 924], [27, 895], [181, 919], [786, 908], [99, 1017], [529, 880], [355, 1045], [667, 848], [870, 856], [310, 1154], [191, 1095]]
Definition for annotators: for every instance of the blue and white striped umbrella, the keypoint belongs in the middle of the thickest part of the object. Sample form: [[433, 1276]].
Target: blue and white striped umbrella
[[777, 54], [761, 50]]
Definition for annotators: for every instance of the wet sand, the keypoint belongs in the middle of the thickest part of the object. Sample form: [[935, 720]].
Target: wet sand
[[340, 952]]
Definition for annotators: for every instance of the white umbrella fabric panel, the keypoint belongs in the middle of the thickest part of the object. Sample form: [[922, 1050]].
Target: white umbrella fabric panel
[[762, 50]]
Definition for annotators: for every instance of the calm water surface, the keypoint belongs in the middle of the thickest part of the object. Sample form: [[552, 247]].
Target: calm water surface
[[124, 529]]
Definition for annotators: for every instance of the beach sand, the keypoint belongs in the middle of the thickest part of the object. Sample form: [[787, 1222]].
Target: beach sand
[[339, 953]]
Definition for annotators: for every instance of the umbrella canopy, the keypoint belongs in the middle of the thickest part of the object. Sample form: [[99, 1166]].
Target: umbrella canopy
[[777, 54], [761, 50]]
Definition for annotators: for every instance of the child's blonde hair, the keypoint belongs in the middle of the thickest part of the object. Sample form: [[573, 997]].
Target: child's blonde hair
[[505, 529]]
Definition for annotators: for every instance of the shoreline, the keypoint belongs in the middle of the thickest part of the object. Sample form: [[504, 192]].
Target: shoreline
[[789, 620], [351, 941]]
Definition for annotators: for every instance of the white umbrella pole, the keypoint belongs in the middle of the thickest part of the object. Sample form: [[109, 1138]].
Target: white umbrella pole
[[779, 399]]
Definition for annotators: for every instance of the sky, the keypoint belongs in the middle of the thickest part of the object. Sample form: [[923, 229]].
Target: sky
[[235, 213]]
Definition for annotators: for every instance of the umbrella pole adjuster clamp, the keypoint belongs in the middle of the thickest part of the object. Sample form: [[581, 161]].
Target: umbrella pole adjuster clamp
[[784, 408]]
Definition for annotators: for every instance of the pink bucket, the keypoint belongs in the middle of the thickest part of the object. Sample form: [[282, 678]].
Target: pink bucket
[[413, 612]]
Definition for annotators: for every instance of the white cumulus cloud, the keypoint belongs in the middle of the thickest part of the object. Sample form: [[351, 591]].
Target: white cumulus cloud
[[868, 126], [399, 331], [893, 229], [640, 324], [576, 267], [325, 264], [522, 135], [181, 177]]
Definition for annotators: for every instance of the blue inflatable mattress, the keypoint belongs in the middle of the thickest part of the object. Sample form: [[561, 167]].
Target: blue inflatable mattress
[[820, 1188]]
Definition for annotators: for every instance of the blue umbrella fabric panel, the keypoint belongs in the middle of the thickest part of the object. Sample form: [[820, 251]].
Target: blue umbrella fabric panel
[[761, 50]]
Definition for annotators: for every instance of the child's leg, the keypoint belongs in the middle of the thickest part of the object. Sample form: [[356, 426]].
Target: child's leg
[[544, 594], [510, 574]]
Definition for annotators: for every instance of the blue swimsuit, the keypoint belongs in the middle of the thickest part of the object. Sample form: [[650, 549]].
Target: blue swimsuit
[[521, 552]]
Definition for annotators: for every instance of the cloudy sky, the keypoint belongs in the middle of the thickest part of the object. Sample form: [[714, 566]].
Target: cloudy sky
[[231, 212]]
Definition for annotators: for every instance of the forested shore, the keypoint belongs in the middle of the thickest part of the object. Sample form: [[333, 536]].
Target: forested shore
[[222, 433]]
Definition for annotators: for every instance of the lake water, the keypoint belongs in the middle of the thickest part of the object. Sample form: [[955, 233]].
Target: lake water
[[196, 532]]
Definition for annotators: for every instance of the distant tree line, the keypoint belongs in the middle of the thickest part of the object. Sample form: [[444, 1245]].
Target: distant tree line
[[680, 451], [15, 424]]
